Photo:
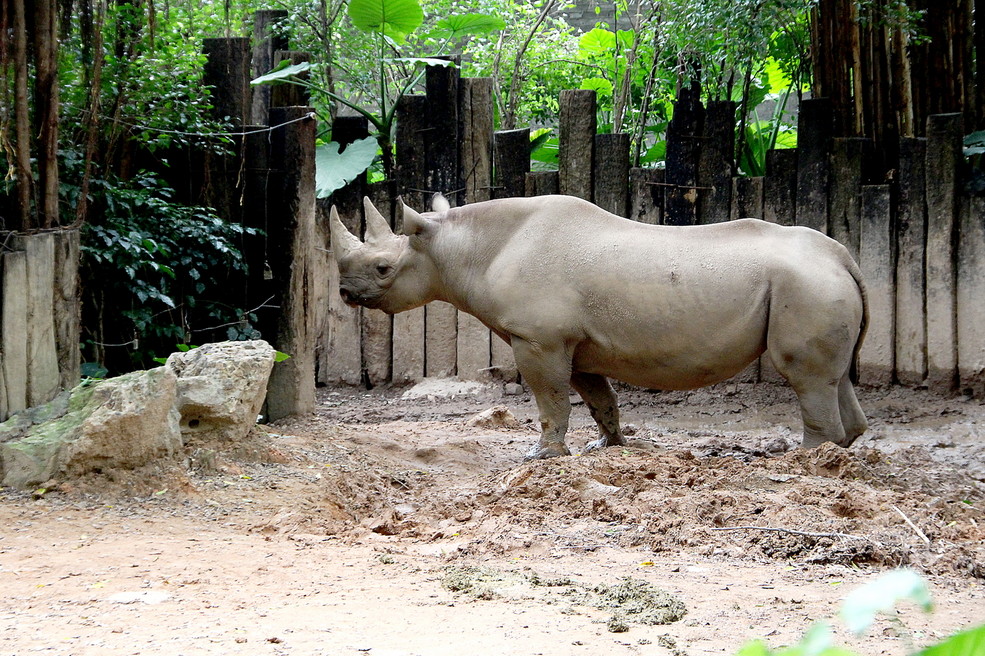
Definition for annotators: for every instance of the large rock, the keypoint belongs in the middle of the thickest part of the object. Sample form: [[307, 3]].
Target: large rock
[[221, 388], [122, 422]]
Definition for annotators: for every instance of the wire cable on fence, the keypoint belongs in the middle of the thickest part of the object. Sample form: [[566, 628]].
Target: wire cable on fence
[[245, 133]]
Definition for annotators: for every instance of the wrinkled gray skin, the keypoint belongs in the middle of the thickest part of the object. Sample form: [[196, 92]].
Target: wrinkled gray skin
[[582, 295]]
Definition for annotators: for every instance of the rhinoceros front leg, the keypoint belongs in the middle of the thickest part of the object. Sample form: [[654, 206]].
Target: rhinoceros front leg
[[547, 370], [601, 401]]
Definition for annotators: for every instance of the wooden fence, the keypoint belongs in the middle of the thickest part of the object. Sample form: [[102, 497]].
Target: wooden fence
[[39, 329], [919, 239]]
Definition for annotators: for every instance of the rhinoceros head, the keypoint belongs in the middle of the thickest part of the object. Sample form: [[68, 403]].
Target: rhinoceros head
[[388, 272]]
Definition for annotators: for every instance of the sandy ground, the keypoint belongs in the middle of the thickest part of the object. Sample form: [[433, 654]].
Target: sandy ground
[[388, 525]]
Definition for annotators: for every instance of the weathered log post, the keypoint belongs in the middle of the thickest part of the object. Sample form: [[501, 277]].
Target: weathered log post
[[13, 329], [412, 173], [511, 163], [780, 186], [440, 318], [227, 71], [474, 345], [67, 309], [542, 183], [911, 289], [845, 193], [290, 95], [944, 136], [610, 177], [267, 39], [747, 198], [715, 162], [291, 255], [970, 295], [577, 125], [340, 357], [815, 126], [646, 193], [684, 138], [875, 231]]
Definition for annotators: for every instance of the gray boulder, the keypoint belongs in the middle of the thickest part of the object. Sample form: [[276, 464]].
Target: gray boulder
[[123, 422], [221, 388], [208, 395]]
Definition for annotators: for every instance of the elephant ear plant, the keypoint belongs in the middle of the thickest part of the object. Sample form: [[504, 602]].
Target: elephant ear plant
[[390, 22]]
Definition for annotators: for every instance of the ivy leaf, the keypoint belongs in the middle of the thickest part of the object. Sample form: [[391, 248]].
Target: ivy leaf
[[455, 27], [392, 18], [334, 170]]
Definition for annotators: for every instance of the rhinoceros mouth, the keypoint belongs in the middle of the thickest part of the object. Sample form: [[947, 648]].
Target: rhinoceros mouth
[[353, 299]]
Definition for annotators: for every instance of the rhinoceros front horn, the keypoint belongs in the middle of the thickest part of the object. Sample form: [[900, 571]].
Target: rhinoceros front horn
[[343, 241], [377, 227]]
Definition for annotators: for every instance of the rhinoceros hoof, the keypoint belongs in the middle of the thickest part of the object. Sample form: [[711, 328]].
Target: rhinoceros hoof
[[603, 442], [550, 451]]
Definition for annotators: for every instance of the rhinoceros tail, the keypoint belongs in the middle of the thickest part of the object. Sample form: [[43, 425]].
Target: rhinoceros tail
[[856, 273]]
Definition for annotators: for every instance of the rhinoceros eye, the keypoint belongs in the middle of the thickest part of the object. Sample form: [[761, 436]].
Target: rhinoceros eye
[[383, 269]]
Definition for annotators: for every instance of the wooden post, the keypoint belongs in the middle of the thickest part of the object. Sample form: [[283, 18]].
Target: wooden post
[[13, 329], [542, 183], [876, 261], [684, 137], [747, 198], [377, 326], [646, 194], [780, 186], [576, 142], [815, 125], [267, 39], [610, 178], [289, 95], [227, 71], [844, 209], [511, 150], [342, 353], [715, 168], [971, 296], [43, 379], [412, 174], [476, 102], [441, 319], [944, 136], [291, 389], [67, 309], [911, 236]]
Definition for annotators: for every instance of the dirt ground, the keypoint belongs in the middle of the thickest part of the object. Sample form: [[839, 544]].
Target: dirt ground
[[390, 523]]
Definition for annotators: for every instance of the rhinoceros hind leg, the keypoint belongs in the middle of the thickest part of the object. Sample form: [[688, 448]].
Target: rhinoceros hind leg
[[601, 401], [821, 414], [547, 371], [852, 417]]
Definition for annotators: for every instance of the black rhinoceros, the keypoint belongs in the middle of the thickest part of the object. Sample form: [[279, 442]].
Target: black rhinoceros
[[581, 295]]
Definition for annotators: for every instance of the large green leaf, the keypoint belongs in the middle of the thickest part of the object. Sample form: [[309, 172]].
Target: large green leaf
[[392, 18], [599, 85], [596, 42], [455, 27], [334, 170], [281, 72], [966, 643], [861, 606]]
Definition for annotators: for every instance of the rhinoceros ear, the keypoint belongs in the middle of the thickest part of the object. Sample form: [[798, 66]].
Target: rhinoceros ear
[[439, 203], [414, 223], [377, 227], [343, 241]]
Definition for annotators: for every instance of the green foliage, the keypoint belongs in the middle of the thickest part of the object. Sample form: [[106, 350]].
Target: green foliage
[[860, 610], [162, 266]]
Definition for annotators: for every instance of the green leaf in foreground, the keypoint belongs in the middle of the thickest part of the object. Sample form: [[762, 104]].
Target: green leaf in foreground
[[966, 643], [334, 169], [861, 606], [281, 73], [455, 27]]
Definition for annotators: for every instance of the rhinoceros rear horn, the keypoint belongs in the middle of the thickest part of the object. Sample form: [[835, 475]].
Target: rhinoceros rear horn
[[414, 223], [377, 227], [343, 241]]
